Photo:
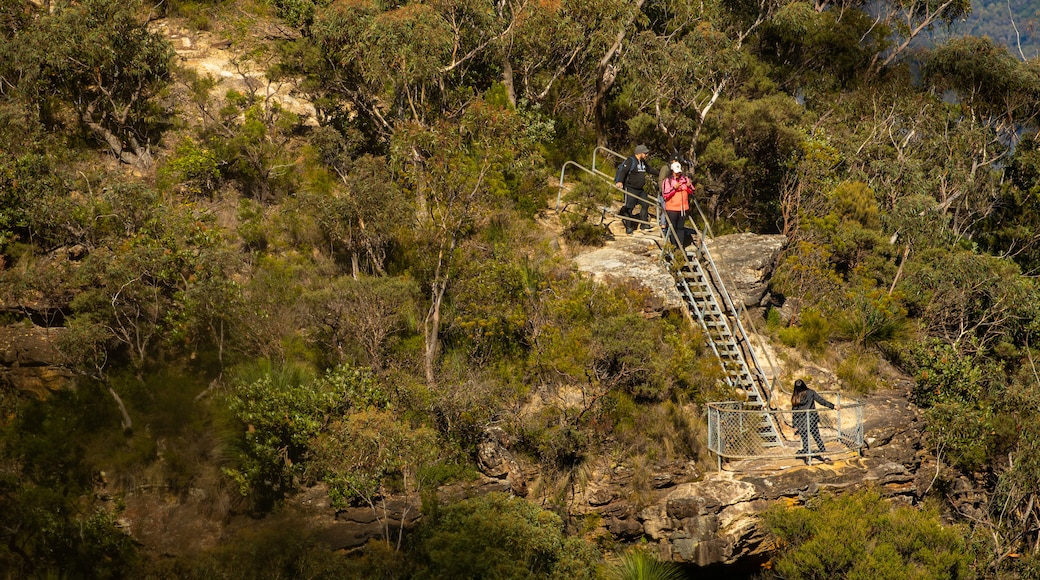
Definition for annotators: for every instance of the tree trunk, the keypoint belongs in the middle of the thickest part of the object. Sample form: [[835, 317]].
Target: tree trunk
[[432, 323], [606, 74], [128, 425], [431, 331], [138, 157], [507, 79]]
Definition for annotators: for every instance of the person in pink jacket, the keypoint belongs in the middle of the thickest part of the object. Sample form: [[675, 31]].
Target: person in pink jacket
[[676, 189]]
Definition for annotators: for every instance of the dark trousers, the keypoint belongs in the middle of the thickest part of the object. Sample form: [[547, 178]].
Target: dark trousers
[[677, 224], [806, 423], [631, 203]]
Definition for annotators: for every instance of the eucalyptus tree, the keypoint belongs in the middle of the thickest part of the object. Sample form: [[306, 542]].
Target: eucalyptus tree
[[358, 211], [458, 171], [908, 19], [370, 65], [98, 59]]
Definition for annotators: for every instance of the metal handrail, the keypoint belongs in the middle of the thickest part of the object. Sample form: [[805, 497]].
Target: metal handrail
[[563, 173], [733, 429], [606, 177], [614, 153], [702, 249]]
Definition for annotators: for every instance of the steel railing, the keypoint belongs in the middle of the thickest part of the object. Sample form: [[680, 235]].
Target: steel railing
[[735, 429], [607, 178]]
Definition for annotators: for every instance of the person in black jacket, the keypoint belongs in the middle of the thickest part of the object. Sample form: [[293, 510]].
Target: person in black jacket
[[806, 420], [631, 177]]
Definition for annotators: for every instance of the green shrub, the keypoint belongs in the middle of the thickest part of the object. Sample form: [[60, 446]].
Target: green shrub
[[856, 201], [278, 410], [811, 333], [874, 317], [371, 453], [958, 391], [498, 536], [638, 564], [862, 536], [859, 372], [578, 229], [193, 169], [807, 273], [582, 211], [774, 322], [490, 310], [943, 374]]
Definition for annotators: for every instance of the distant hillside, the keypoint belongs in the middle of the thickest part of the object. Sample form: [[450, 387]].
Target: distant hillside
[[1015, 23]]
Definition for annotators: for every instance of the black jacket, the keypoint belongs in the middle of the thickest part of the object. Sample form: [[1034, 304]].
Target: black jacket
[[809, 401], [632, 174]]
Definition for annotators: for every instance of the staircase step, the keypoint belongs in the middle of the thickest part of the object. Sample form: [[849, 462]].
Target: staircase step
[[704, 301]]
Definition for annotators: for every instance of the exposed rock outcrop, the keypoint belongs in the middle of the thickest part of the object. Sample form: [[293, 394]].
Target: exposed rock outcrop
[[231, 68], [27, 360], [495, 460], [746, 261], [632, 259], [716, 518]]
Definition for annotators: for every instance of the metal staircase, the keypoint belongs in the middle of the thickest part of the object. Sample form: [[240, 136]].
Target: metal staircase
[[704, 294]]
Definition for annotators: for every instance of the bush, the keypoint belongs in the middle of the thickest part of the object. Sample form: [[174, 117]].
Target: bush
[[193, 169], [858, 371], [807, 272], [371, 453], [578, 229], [811, 334], [874, 318], [278, 410], [638, 564], [862, 536], [498, 536]]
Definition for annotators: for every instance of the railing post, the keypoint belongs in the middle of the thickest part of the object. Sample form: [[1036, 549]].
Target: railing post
[[733, 429]]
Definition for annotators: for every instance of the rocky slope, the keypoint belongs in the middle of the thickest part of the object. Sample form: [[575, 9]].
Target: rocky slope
[[690, 514]]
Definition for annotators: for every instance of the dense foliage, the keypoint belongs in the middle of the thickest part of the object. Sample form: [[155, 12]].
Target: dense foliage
[[254, 299], [863, 536]]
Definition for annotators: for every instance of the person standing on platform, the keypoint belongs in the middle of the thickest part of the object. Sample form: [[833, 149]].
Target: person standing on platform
[[806, 420]]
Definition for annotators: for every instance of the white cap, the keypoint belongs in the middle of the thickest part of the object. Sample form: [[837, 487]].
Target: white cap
[[676, 167]]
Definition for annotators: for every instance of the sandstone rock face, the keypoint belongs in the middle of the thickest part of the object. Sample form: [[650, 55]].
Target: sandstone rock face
[[716, 518], [746, 261], [632, 259], [27, 359]]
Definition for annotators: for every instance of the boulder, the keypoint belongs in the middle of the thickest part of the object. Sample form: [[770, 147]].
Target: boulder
[[746, 261], [495, 460], [28, 360]]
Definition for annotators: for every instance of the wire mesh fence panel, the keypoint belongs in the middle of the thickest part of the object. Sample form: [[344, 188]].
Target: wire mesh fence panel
[[739, 430]]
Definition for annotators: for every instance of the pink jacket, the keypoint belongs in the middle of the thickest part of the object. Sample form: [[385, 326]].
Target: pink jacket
[[677, 190]]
